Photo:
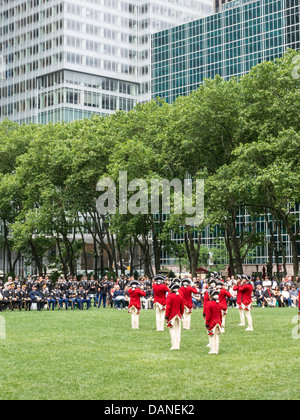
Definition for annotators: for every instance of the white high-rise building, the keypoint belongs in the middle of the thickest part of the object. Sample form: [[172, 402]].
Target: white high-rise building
[[65, 60]]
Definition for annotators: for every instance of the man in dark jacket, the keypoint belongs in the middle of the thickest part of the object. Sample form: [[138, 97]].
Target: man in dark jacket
[[103, 290], [36, 297]]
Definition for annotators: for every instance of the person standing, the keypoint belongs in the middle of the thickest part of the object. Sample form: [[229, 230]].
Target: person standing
[[103, 289], [246, 290], [174, 313], [93, 286], [237, 288], [160, 291], [213, 320], [187, 290], [134, 306], [223, 296]]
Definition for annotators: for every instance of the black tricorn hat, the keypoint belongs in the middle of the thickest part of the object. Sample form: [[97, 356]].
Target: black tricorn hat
[[134, 283], [174, 286], [159, 278], [176, 280], [186, 280]]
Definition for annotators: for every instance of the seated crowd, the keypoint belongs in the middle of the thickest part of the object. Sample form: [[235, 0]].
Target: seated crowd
[[73, 293]]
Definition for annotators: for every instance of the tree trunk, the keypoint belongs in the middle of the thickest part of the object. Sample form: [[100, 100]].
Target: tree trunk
[[37, 259], [192, 251], [229, 250], [270, 258]]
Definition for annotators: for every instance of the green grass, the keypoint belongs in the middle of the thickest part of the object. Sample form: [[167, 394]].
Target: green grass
[[60, 355]]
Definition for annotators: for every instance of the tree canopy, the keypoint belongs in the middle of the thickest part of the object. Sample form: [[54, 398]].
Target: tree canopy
[[240, 136]]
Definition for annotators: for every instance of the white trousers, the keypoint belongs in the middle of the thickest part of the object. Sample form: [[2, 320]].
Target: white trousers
[[135, 318], [249, 320], [223, 322], [242, 316], [186, 320], [175, 333], [160, 317], [214, 342]]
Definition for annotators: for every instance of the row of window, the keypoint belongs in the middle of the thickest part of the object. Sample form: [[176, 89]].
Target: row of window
[[71, 78], [171, 82], [34, 65], [32, 34], [68, 96]]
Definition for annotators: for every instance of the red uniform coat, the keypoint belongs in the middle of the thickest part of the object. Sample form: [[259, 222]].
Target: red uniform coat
[[159, 291], [135, 298], [239, 294], [246, 290], [213, 314], [205, 300], [222, 299], [187, 295], [175, 306]]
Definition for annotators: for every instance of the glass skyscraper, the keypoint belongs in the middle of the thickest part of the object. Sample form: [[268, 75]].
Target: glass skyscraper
[[65, 60], [239, 35], [228, 43]]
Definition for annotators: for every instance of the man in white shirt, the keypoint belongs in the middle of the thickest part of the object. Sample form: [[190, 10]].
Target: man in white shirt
[[267, 283]]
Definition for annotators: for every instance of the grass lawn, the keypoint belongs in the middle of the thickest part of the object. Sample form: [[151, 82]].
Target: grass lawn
[[60, 355]]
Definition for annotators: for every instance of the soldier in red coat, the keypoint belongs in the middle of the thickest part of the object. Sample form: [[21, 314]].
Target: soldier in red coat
[[205, 300], [246, 290], [160, 291], [213, 320], [134, 306], [187, 290], [211, 284], [224, 294], [174, 312], [237, 288]]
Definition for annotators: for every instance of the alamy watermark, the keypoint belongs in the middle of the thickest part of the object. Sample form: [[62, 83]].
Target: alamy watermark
[[153, 197], [296, 329]]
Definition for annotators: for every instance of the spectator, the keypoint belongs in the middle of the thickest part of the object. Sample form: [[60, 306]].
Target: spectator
[[278, 296], [196, 299], [36, 297], [286, 296], [148, 299], [258, 282], [119, 298], [269, 298], [294, 296], [233, 298], [122, 282], [266, 283], [259, 295], [8, 283], [274, 283], [112, 289], [102, 292]]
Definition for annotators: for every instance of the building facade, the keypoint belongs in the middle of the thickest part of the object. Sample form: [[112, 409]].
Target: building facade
[[239, 35], [65, 60], [228, 43]]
